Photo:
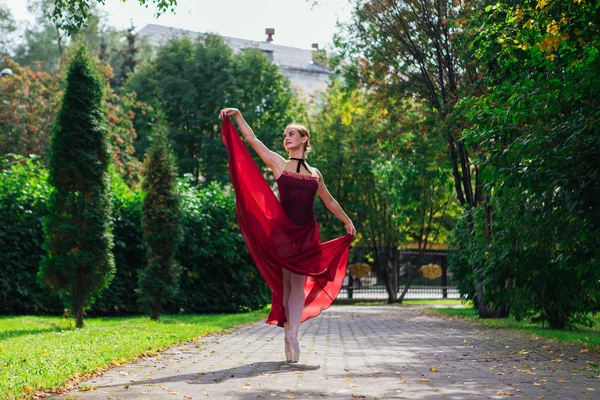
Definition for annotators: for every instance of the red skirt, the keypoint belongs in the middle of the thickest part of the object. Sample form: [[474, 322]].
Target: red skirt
[[275, 242]]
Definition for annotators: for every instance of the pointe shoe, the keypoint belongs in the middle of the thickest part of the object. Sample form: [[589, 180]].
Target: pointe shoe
[[292, 338], [288, 347]]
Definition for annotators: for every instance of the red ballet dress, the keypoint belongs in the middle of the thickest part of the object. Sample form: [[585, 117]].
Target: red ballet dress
[[284, 234]]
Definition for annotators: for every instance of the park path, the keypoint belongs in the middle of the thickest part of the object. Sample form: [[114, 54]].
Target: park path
[[360, 352]]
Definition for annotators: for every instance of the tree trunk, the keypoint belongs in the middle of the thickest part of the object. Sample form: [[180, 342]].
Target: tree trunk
[[79, 317], [411, 278], [156, 310]]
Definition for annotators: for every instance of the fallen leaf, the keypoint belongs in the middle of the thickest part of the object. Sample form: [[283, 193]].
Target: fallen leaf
[[123, 373], [433, 369], [424, 379]]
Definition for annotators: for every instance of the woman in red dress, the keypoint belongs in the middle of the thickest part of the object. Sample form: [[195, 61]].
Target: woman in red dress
[[304, 274]]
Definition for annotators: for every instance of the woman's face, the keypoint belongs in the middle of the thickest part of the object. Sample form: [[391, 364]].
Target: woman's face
[[292, 139]]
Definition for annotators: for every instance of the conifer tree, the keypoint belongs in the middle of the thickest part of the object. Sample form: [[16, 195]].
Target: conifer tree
[[78, 235], [161, 223]]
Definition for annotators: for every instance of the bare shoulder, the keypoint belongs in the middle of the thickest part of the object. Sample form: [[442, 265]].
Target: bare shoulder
[[318, 173]]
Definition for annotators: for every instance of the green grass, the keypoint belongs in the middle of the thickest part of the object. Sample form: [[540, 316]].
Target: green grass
[[581, 335], [41, 353]]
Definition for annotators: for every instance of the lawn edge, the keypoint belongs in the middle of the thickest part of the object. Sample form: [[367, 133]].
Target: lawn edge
[[479, 322], [73, 383]]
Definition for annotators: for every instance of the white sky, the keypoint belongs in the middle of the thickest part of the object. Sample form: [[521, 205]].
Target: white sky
[[297, 23]]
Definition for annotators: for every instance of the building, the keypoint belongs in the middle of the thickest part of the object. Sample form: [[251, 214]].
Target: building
[[308, 78]]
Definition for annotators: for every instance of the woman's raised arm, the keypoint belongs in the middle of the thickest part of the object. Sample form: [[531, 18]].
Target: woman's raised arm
[[272, 159]]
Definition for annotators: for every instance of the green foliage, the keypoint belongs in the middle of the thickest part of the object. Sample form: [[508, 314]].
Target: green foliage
[[78, 227], [24, 192], [192, 81], [72, 15], [129, 250], [32, 99], [7, 27], [161, 224], [218, 273], [537, 124], [384, 163]]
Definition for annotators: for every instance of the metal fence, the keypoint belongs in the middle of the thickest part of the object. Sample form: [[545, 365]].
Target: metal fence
[[378, 292]]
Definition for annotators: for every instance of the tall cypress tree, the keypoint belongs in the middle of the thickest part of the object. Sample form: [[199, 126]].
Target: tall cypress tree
[[78, 229], [161, 223]]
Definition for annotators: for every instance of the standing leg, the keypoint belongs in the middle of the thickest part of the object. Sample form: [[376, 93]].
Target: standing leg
[[296, 298], [286, 325], [295, 307]]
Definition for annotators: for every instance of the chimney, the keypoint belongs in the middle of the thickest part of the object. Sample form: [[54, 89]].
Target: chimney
[[270, 32]]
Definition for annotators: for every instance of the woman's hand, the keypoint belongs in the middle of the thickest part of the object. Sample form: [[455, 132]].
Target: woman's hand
[[229, 112], [350, 228]]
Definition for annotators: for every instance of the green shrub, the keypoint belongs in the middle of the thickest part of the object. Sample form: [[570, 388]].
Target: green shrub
[[24, 192]]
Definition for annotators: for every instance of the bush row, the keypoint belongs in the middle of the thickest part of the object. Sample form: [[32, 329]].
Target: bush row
[[217, 275]]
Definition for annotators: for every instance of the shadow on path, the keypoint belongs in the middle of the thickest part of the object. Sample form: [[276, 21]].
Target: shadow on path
[[242, 372]]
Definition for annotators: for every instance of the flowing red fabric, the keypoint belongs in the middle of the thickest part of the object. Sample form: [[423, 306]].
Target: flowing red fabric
[[277, 239]]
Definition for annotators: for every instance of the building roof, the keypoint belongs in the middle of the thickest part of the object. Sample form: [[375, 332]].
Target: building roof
[[286, 57]]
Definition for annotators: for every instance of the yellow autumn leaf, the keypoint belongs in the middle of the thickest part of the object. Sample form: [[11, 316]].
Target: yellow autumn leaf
[[424, 379], [433, 369]]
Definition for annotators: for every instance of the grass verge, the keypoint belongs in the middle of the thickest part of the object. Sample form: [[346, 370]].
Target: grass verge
[[43, 353], [583, 335]]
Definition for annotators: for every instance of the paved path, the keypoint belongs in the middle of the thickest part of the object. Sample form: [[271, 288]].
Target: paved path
[[361, 352]]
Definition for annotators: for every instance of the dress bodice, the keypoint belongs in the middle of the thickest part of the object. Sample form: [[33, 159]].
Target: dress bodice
[[297, 196]]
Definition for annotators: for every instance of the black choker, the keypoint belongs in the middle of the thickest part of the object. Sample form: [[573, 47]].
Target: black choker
[[300, 162]]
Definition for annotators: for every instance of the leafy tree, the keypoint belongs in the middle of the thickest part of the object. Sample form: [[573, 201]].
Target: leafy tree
[[43, 43], [72, 15], [407, 49], [31, 99], [386, 163], [161, 223], [192, 81], [78, 235], [31, 102], [7, 27], [412, 175], [537, 119]]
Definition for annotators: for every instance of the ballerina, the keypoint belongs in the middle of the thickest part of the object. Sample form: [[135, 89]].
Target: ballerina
[[304, 274]]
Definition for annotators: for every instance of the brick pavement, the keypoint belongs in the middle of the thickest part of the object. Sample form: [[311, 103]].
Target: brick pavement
[[360, 352]]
